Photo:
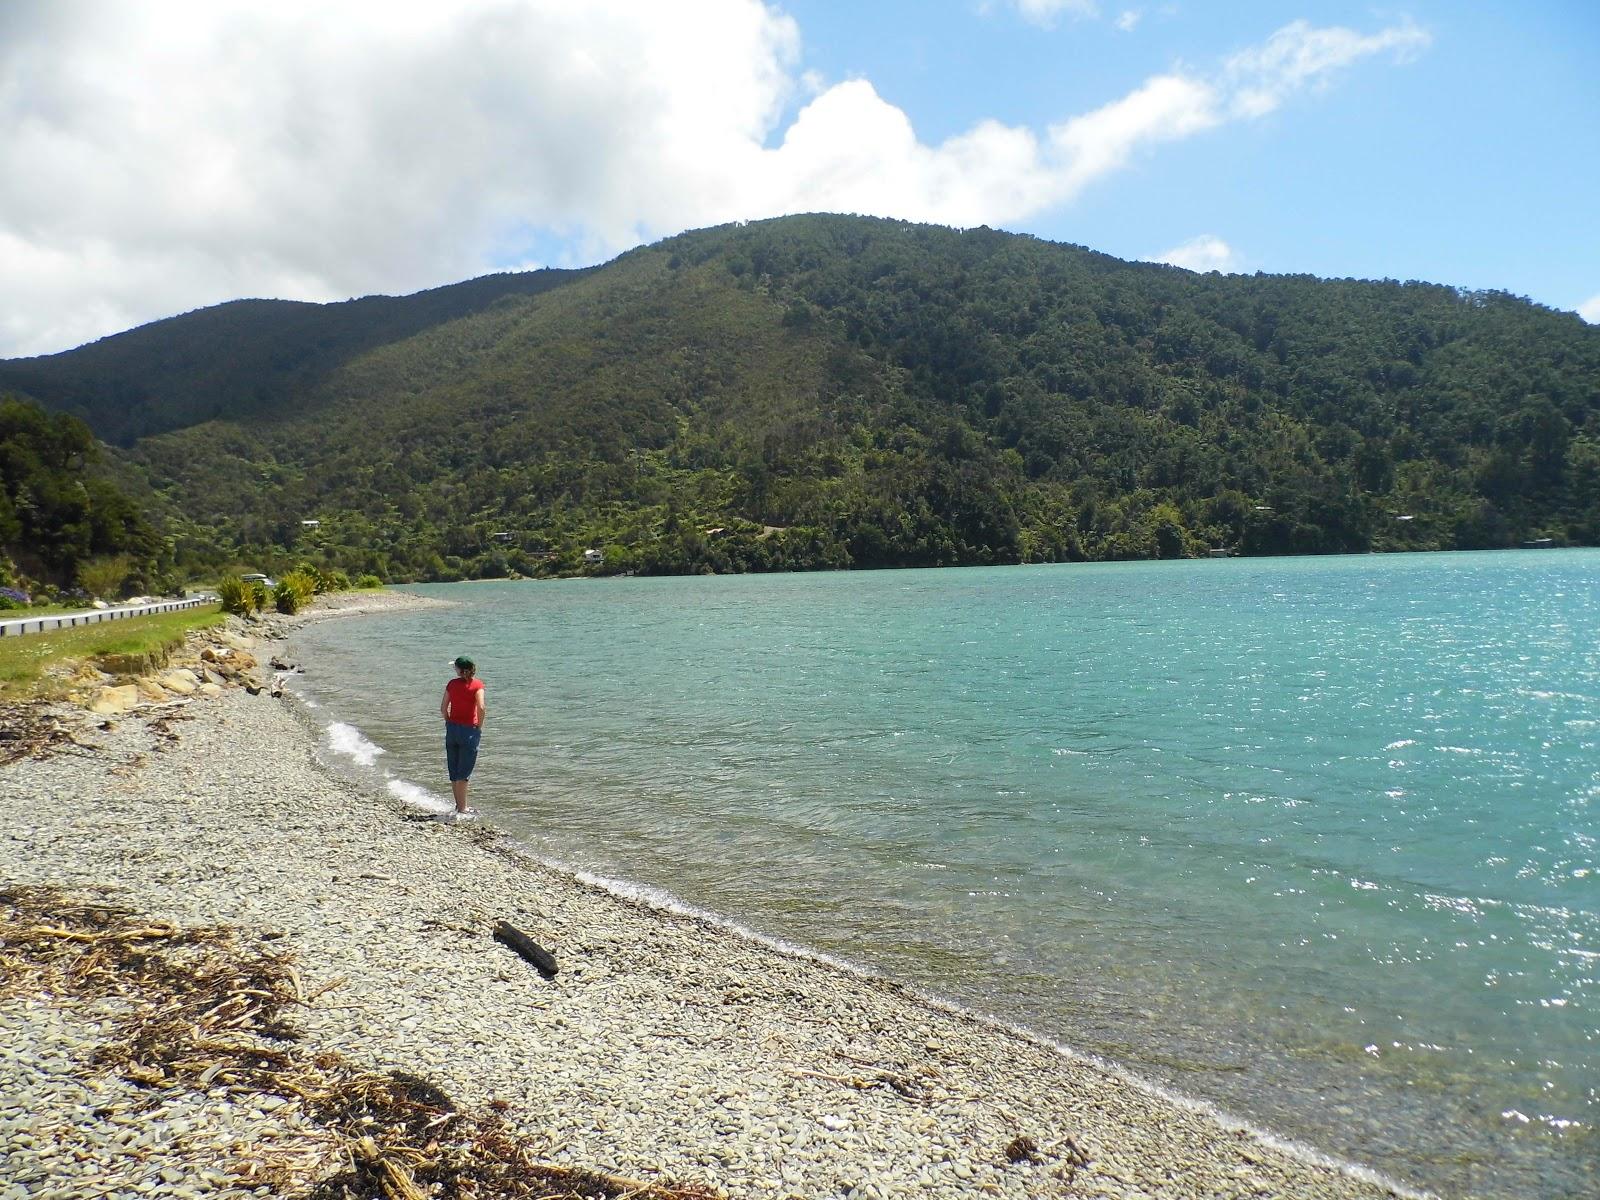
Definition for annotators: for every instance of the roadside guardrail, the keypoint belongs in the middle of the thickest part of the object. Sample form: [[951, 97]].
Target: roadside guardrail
[[93, 616]]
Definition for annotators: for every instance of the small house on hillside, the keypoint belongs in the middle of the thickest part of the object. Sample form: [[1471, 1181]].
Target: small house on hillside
[[311, 524], [593, 557]]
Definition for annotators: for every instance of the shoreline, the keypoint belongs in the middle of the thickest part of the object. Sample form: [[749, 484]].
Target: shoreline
[[668, 1042]]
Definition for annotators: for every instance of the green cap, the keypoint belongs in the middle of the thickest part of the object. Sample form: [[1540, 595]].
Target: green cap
[[465, 664]]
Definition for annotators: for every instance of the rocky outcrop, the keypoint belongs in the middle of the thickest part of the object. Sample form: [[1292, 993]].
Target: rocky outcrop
[[213, 661]]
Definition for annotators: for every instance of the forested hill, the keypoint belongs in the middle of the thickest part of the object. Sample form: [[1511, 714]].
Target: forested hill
[[240, 359], [839, 391]]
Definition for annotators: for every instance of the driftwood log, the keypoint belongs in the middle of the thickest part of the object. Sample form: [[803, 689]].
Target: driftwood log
[[509, 935]]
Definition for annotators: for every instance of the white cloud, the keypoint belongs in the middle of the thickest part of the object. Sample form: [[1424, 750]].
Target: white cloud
[[159, 158], [1207, 252], [1589, 310], [1299, 55], [1166, 108], [1129, 20], [1045, 13]]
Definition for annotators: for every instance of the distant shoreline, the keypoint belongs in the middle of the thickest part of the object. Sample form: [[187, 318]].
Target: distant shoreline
[[1063, 562]]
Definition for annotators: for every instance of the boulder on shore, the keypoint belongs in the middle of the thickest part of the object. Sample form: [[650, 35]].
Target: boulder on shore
[[181, 681], [111, 700]]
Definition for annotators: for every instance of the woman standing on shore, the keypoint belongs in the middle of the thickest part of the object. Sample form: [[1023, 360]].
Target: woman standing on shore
[[462, 709]]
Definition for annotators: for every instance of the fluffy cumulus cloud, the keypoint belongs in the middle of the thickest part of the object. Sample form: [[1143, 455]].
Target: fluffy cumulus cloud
[[1589, 310], [1207, 252], [163, 157]]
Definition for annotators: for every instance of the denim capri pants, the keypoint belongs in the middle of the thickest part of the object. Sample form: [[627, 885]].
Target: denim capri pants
[[460, 749]]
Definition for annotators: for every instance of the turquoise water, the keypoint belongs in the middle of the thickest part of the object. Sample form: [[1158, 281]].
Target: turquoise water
[[1312, 838]]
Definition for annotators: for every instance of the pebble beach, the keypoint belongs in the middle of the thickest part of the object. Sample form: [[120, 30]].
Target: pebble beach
[[665, 1048]]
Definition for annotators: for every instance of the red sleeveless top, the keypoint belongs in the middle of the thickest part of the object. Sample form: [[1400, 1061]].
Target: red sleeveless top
[[463, 697]]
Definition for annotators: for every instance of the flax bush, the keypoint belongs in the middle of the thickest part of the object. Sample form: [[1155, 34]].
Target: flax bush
[[294, 592], [242, 597]]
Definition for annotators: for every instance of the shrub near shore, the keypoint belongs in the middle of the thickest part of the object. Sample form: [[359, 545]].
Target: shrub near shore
[[244, 597]]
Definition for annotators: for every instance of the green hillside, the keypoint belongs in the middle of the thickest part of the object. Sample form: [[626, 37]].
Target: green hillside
[[836, 391], [240, 359]]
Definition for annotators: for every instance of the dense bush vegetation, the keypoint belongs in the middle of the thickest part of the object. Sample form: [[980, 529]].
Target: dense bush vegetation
[[60, 516], [106, 577], [819, 392]]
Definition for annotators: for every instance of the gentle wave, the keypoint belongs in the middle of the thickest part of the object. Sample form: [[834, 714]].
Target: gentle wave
[[350, 742], [416, 796]]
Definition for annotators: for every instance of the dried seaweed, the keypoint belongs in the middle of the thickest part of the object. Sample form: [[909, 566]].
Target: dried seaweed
[[32, 731], [204, 1011], [1022, 1148], [904, 1086]]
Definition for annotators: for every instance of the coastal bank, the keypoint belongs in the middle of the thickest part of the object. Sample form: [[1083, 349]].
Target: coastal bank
[[666, 1049]]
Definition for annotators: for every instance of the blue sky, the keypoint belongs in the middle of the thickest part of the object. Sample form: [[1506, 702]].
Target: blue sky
[[1474, 163], [160, 158]]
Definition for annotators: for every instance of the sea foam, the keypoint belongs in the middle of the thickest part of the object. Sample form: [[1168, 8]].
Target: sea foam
[[414, 795], [352, 743]]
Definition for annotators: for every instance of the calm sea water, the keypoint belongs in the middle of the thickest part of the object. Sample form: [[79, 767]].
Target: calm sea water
[[1312, 838]]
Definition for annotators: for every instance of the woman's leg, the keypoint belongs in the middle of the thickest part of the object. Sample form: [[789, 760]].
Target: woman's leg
[[463, 744], [452, 754]]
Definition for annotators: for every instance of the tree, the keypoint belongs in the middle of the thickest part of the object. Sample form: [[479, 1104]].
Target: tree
[[106, 578]]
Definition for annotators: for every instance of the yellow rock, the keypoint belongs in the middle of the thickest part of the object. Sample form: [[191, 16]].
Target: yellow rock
[[150, 690], [182, 682], [209, 690], [109, 700]]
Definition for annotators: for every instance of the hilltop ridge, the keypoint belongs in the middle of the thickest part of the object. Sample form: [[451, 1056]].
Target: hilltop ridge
[[829, 391], [240, 358]]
